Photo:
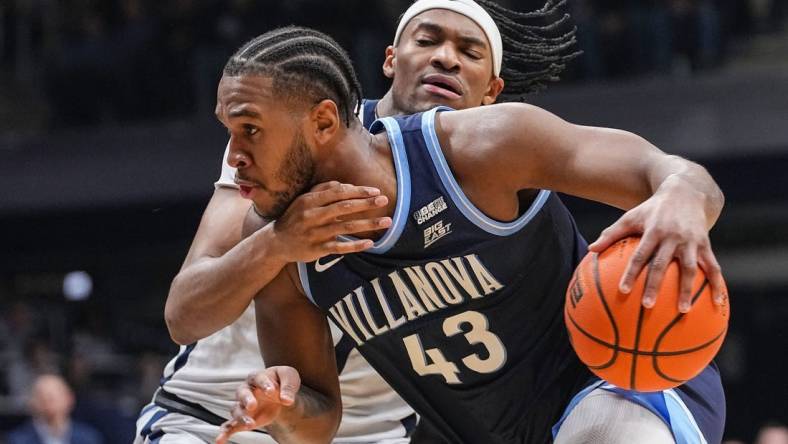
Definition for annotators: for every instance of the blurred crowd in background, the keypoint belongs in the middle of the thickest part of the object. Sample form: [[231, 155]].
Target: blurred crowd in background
[[80, 62], [112, 371], [75, 63]]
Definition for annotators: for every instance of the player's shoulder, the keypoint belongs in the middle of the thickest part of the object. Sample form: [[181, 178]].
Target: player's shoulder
[[491, 130], [405, 123], [498, 116]]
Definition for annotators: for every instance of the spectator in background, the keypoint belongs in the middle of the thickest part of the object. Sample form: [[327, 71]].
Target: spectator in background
[[17, 324], [772, 433], [51, 402], [26, 347], [37, 358]]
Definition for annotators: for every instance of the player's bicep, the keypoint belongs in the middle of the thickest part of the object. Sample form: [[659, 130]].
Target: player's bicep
[[220, 226], [602, 164], [519, 145], [526, 147], [292, 331]]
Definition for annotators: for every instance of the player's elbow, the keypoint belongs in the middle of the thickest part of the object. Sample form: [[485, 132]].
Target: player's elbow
[[176, 319], [325, 434], [178, 334], [321, 427], [336, 416], [330, 408], [333, 416]]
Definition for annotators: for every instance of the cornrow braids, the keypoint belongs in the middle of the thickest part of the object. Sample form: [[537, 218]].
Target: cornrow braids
[[302, 61], [536, 47]]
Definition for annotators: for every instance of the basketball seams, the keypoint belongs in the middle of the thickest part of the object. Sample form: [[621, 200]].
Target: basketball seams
[[641, 352], [656, 355], [673, 323], [635, 349], [638, 330], [676, 320], [601, 294]]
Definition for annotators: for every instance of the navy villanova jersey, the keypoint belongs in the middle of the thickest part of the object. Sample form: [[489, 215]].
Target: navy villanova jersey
[[368, 113], [460, 313]]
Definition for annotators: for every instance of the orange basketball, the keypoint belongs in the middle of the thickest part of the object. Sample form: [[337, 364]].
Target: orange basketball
[[633, 347]]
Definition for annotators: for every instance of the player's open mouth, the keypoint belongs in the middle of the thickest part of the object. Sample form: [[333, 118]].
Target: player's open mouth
[[442, 85], [245, 190], [245, 187]]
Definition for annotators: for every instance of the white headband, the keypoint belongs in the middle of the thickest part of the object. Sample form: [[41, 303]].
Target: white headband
[[468, 8]]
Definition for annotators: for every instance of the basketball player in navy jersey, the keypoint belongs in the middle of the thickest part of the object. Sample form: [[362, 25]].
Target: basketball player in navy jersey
[[458, 302], [208, 307]]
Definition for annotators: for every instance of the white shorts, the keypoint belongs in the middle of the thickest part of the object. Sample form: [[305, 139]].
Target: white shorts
[[156, 425]]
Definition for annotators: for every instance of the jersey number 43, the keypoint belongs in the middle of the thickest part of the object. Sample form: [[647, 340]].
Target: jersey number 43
[[478, 334]]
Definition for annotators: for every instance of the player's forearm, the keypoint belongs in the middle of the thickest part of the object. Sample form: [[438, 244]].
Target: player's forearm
[[680, 177], [623, 169], [211, 293], [648, 172], [313, 418]]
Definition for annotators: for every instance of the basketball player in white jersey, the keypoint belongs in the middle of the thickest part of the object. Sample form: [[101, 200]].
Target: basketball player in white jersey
[[198, 387], [208, 309]]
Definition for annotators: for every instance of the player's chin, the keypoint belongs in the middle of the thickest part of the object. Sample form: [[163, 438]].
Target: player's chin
[[267, 208], [432, 101]]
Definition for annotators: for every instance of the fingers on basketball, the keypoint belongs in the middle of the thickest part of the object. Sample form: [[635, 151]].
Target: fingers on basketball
[[634, 347]]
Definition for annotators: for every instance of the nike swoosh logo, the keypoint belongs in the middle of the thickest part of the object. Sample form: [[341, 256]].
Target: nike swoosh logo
[[323, 267]]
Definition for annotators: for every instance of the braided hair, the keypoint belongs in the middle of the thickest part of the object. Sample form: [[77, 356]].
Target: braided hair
[[302, 63], [536, 47]]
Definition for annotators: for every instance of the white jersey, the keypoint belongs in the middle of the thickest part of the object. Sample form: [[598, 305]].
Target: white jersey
[[208, 373]]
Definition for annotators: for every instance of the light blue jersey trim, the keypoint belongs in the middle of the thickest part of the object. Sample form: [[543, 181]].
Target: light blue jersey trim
[[464, 204], [304, 277], [402, 168], [685, 429]]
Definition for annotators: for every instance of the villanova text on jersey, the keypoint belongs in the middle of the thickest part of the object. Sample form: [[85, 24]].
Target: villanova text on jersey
[[435, 290], [460, 313]]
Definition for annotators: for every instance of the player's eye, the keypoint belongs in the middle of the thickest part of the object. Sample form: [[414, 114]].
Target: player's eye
[[251, 130], [424, 42], [473, 54]]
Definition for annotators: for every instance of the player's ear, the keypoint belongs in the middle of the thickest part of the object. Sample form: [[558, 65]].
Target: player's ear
[[388, 63], [494, 88], [326, 120]]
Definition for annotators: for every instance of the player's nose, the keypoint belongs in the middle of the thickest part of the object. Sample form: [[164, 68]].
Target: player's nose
[[238, 158], [445, 58]]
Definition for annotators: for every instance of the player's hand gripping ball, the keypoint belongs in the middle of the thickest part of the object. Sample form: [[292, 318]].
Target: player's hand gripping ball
[[634, 347]]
